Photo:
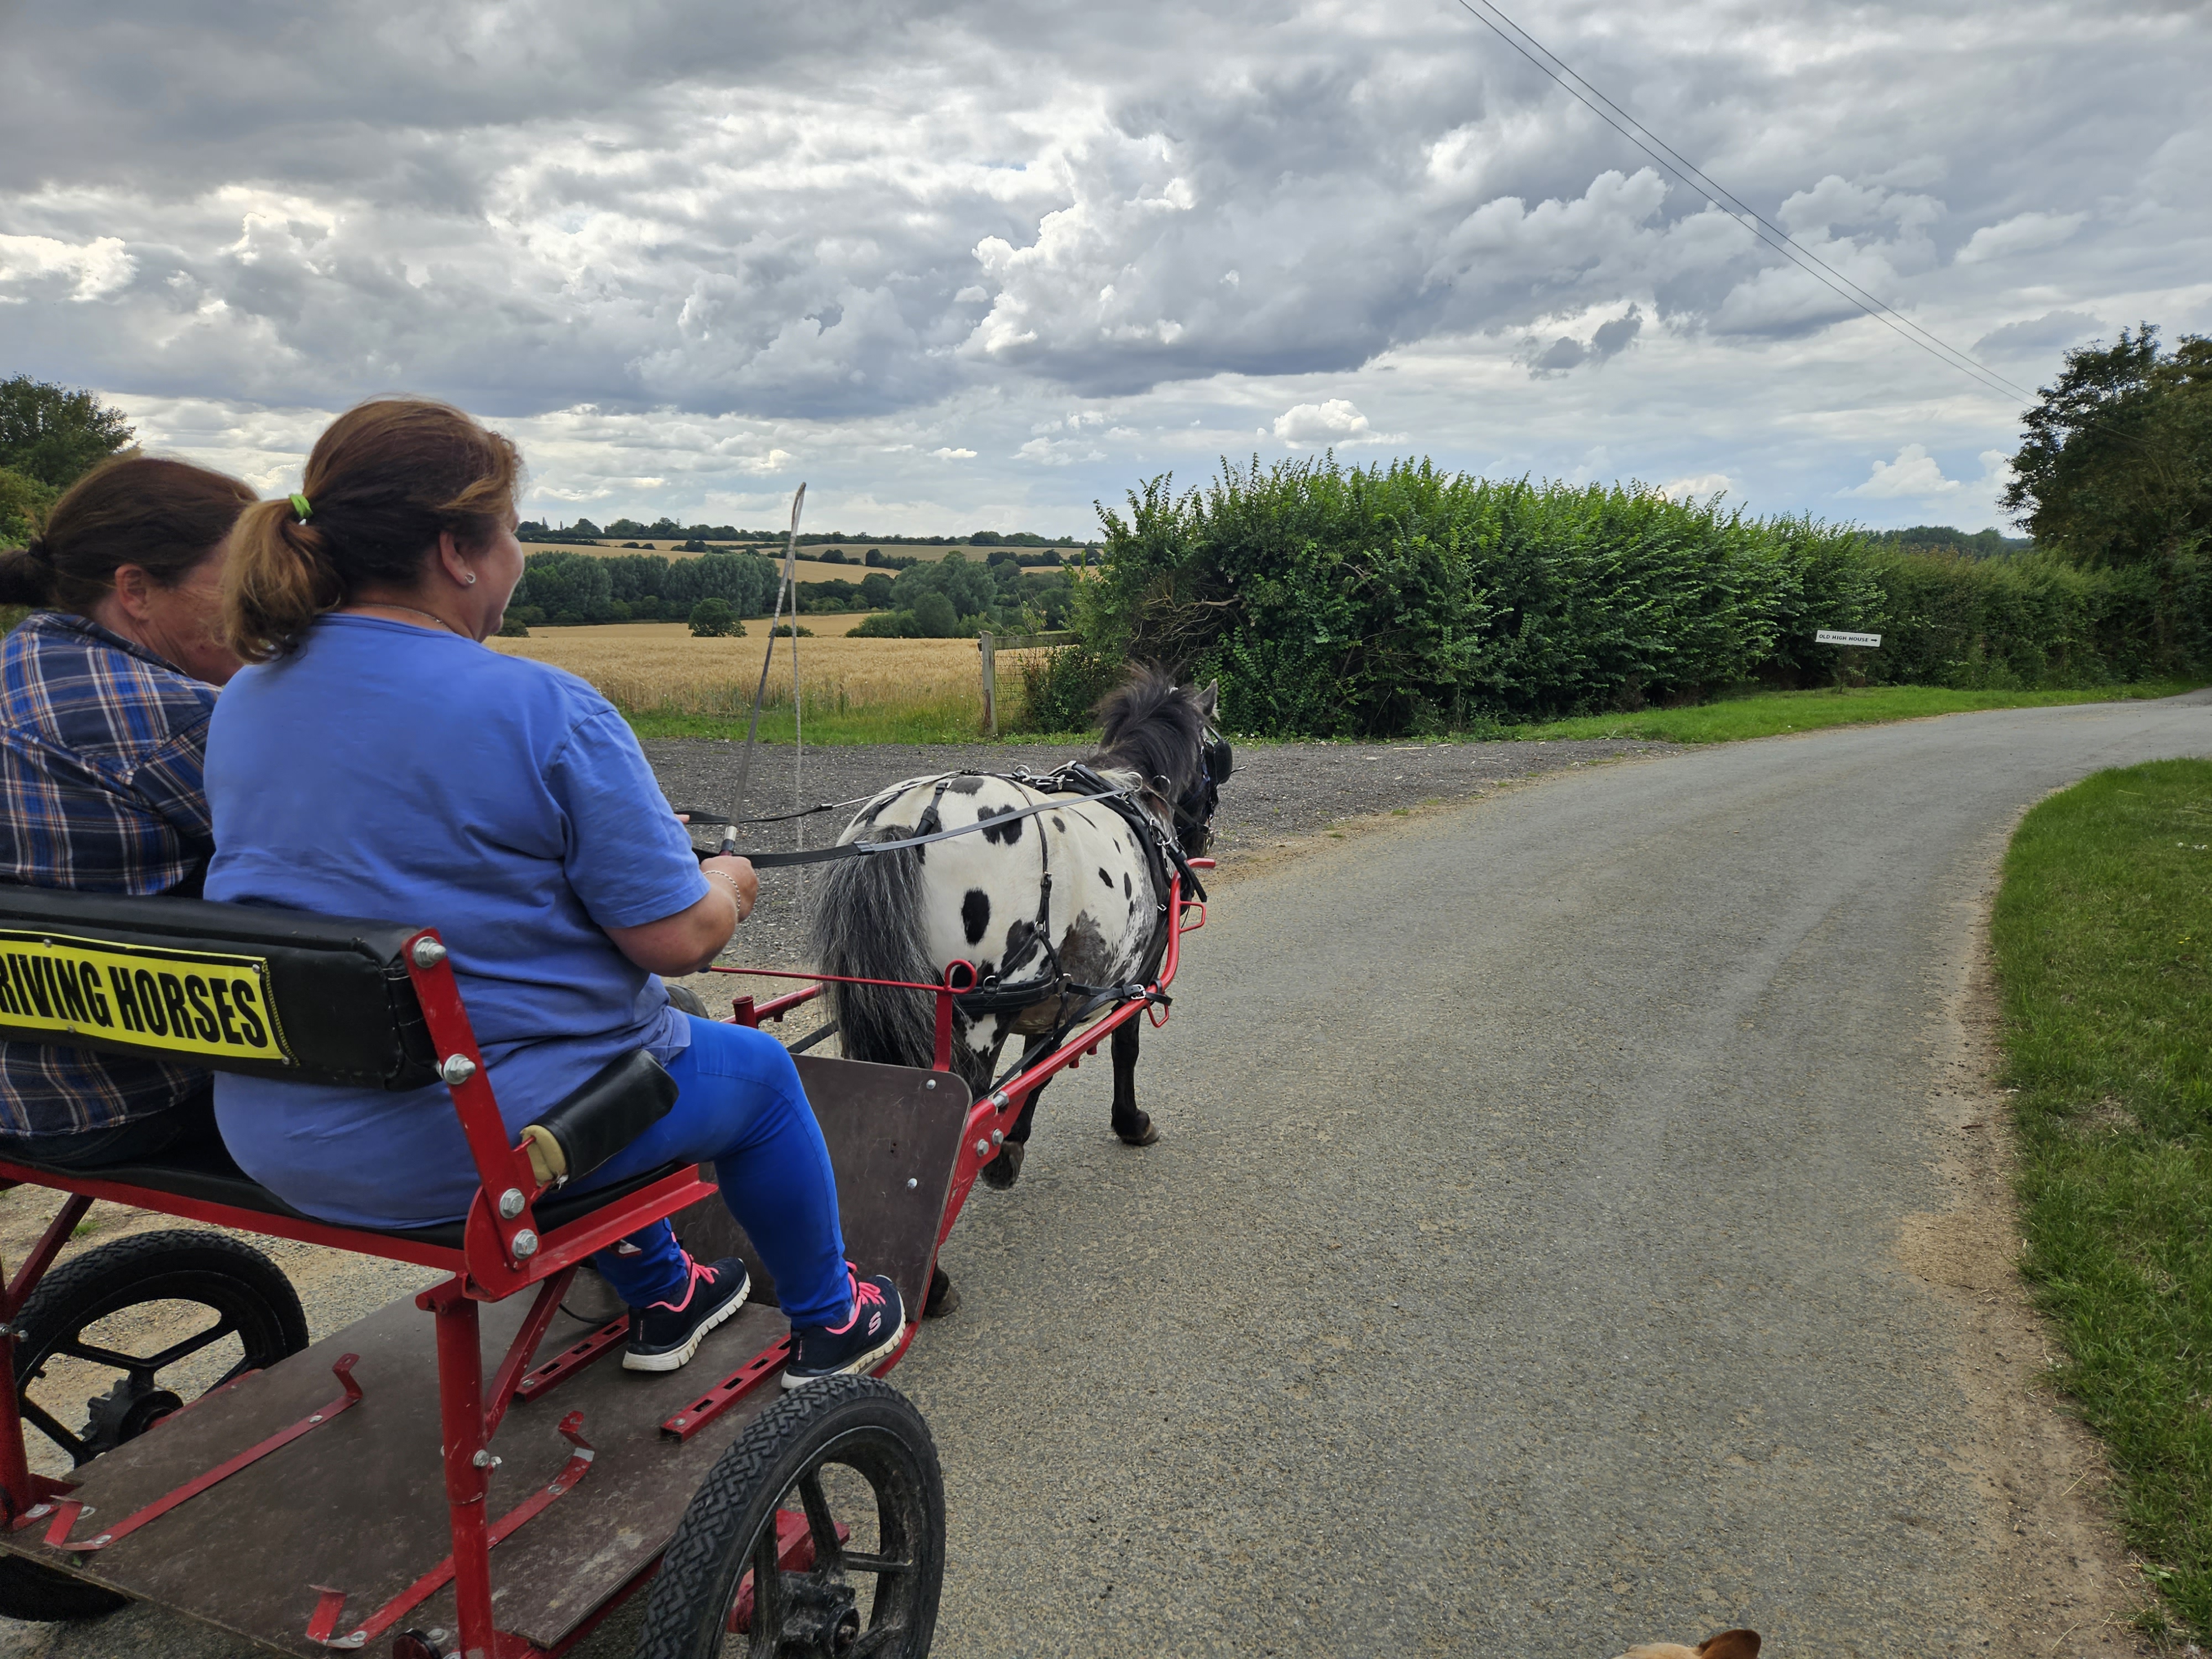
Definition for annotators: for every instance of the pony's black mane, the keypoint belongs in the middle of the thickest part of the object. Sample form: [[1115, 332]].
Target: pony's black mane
[[1153, 728]]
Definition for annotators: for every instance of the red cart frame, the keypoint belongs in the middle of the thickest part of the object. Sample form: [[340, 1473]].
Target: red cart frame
[[502, 1251]]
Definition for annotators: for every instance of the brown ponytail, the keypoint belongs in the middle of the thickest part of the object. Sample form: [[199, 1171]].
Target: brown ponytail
[[163, 516], [382, 483]]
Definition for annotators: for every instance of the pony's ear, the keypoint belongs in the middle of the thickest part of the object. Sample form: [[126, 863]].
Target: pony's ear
[[1208, 700], [1730, 1644]]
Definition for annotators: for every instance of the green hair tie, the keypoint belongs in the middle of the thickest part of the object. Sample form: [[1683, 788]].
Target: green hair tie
[[299, 506]]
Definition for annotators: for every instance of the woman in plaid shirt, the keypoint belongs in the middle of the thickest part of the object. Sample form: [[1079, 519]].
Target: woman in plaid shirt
[[105, 694]]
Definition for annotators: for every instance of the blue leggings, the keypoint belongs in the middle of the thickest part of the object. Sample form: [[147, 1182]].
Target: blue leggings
[[739, 1107]]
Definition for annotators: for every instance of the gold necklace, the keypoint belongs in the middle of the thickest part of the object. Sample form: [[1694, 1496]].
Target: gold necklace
[[386, 605]]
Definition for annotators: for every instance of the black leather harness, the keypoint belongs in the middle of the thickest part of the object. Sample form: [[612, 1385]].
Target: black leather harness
[[1085, 785]]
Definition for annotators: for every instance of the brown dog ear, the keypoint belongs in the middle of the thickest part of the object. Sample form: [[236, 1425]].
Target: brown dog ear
[[1730, 1644]]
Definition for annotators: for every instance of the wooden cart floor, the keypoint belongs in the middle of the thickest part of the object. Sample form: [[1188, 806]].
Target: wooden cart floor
[[358, 1504]]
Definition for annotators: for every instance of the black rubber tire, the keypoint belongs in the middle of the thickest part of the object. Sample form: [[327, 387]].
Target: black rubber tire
[[854, 1420], [226, 1274], [233, 1278], [40, 1595]]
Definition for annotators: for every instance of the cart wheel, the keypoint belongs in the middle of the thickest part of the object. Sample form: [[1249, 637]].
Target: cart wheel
[[250, 1298], [240, 1294], [40, 1595], [856, 1461]]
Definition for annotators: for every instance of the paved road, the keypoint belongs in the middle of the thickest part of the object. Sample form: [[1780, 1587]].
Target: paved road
[[1517, 1275]]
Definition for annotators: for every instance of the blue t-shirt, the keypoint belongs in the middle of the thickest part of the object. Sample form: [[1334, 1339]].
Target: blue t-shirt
[[410, 775]]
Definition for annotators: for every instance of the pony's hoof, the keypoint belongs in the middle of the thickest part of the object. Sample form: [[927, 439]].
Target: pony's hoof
[[942, 1298], [1003, 1171], [1144, 1133]]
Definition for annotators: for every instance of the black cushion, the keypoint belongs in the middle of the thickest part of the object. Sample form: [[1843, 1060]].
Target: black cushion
[[205, 1171], [624, 1098], [269, 993]]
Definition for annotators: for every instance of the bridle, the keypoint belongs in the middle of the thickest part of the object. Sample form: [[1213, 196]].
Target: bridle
[[1194, 814]]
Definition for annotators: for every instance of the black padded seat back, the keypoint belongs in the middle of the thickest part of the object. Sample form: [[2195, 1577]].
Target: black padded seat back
[[235, 988]]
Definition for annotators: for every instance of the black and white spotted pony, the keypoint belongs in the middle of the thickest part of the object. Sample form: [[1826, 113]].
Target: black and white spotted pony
[[1061, 912]]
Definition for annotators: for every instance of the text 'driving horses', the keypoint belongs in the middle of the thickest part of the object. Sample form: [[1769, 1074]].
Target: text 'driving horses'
[[1061, 912]]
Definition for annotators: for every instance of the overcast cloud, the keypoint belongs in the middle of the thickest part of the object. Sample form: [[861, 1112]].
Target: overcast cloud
[[964, 266]]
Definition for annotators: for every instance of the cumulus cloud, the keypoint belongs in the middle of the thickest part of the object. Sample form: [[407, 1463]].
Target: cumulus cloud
[[2024, 232], [1916, 475], [2039, 337], [91, 271], [736, 233], [1565, 351], [1336, 422]]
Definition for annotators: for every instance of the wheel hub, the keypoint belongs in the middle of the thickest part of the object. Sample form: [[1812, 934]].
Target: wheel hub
[[823, 1617], [126, 1411]]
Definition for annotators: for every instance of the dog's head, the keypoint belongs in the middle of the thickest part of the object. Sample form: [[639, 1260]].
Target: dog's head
[[1727, 1644]]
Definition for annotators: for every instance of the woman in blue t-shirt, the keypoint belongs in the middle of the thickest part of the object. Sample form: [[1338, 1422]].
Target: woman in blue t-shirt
[[378, 760]]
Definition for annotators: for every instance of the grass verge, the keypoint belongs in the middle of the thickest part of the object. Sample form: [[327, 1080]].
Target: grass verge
[[1772, 712], [2101, 930]]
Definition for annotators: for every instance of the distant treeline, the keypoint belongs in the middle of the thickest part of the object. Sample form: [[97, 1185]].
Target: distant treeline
[[583, 530], [1947, 538], [563, 590]]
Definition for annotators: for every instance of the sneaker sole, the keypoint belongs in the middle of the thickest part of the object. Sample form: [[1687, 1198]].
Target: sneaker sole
[[851, 1368], [676, 1358]]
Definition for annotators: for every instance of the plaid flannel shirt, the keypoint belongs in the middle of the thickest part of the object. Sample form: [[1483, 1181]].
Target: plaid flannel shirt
[[101, 748]]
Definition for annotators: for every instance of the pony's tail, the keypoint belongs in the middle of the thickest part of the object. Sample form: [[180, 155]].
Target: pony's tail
[[869, 924]]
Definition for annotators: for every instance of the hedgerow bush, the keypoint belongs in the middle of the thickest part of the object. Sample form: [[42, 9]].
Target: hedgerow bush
[[1336, 601]]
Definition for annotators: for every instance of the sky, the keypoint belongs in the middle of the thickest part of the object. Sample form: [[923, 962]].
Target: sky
[[960, 267]]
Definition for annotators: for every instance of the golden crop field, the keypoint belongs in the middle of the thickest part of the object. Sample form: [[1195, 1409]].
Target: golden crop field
[[659, 667]]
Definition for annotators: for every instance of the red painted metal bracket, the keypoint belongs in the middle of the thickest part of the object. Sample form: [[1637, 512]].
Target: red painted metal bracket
[[331, 1601], [543, 1379], [754, 1372], [727, 1392], [66, 1512]]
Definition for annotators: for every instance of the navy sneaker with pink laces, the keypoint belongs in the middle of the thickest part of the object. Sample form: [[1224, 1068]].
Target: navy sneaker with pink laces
[[664, 1336], [869, 1333]]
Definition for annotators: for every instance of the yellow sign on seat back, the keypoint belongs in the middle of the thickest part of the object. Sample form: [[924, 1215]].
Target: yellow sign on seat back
[[179, 1002]]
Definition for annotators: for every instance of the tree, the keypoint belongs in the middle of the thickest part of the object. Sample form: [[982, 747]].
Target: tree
[[714, 619], [567, 585], [934, 615], [53, 435], [2117, 469], [23, 502], [968, 588]]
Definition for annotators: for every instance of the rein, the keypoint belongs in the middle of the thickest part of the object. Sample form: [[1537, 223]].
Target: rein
[[850, 849]]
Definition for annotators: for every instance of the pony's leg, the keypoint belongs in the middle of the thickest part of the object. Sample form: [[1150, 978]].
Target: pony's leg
[[1002, 1170], [1135, 1127], [942, 1298]]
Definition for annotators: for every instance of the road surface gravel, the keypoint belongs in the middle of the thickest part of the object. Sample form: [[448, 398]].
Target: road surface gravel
[[1546, 1251]]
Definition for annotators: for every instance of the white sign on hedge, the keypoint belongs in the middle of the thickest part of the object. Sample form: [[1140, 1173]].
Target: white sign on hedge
[[1836, 636]]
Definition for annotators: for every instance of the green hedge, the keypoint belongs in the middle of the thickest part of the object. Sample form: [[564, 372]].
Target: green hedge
[[1398, 599]]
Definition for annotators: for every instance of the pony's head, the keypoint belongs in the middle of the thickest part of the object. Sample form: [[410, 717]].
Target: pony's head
[[1165, 733]]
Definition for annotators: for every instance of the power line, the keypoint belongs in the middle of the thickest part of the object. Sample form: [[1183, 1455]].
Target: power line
[[1773, 235]]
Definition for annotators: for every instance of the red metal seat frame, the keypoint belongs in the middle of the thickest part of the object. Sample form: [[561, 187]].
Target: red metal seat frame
[[502, 1253]]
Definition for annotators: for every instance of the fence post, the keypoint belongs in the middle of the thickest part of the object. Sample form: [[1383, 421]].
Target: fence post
[[990, 685]]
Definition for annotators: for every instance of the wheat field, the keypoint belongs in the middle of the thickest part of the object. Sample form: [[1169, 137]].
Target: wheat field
[[659, 668]]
